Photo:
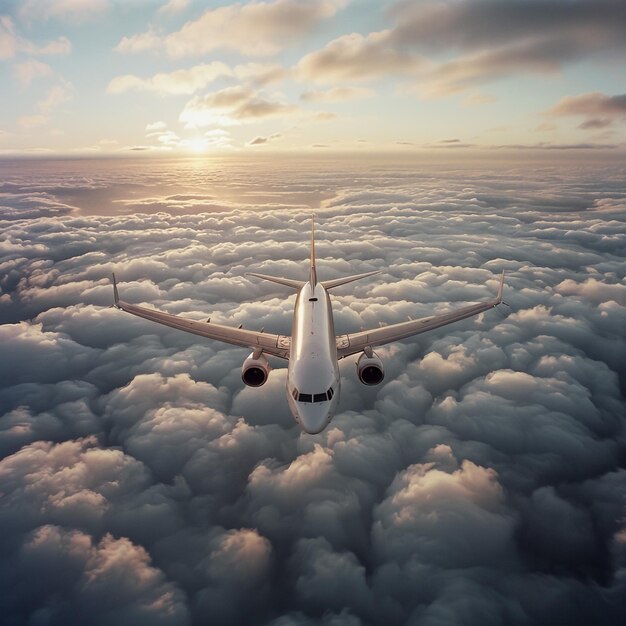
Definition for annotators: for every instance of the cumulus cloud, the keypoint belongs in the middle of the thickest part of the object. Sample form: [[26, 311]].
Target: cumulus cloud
[[482, 482], [253, 29]]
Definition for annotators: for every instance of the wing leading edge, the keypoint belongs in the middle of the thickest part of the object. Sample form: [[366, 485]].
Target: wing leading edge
[[356, 342], [276, 345]]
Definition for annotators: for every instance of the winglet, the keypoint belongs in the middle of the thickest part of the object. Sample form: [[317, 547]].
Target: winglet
[[313, 272], [116, 295], [501, 289]]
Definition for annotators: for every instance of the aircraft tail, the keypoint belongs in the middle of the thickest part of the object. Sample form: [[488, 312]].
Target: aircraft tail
[[313, 272], [501, 289], [298, 284], [116, 295]]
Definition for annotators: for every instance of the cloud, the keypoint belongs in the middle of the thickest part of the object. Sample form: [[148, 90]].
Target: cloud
[[186, 81], [55, 96], [232, 105], [337, 94], [357, 57], [143, 483], [172, 7], [259, 140], [28, 70], [598, 109], [141, 42], [444, 47], [11, 43], [252, 29], [156, 126]]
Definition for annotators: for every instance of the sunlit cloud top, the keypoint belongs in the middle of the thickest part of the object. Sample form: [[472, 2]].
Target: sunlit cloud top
[[93, 76]]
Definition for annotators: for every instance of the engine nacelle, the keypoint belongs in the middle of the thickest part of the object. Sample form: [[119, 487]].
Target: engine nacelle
[[254, 371], [370, 369]]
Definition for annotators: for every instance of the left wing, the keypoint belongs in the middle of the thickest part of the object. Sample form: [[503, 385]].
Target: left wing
[[356, 342], [277, 345]]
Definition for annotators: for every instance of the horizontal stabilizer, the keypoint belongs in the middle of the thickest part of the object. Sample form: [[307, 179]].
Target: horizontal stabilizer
[[329, 284], [288, 282]]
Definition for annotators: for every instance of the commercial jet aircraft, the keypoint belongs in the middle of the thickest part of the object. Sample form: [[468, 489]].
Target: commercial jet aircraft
[[313, 350]]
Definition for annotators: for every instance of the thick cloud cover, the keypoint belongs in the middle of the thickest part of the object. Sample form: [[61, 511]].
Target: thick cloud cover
[[483, 482]]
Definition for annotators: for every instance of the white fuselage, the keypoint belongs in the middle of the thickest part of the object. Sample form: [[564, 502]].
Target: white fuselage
[[313, 373]]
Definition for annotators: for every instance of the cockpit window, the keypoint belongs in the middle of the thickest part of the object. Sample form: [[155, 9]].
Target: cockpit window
[[308, 397]]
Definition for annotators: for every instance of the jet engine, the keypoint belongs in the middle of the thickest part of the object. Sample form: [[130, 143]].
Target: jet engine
[[255, 370], [370, 368]]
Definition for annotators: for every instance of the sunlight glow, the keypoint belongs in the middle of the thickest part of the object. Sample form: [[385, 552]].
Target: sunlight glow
[[196, 144]]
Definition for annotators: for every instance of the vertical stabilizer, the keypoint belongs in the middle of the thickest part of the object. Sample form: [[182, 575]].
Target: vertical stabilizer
[[313, 273], [116, 296]]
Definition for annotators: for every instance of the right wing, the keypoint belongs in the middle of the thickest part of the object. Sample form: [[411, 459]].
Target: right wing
[[277, 345], [356, 342]]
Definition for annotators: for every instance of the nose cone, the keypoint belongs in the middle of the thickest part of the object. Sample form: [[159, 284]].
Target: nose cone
[[313, 418]]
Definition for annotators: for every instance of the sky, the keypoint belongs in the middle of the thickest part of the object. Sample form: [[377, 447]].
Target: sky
[[102, 77], [483, 482]]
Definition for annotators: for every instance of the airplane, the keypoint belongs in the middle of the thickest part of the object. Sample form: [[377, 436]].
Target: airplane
[[313, 351]]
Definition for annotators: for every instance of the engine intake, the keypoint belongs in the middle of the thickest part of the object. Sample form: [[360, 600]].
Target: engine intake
[[370, 369], [254, 371]]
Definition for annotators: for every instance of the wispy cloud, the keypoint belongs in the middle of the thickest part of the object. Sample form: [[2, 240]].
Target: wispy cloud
[[190, 80], [29, 70], [260, 140], [598, 109], [172, 7], [11, 43], [185, 81], [357, 57], [337, 94], [230, 106], [253, 29]]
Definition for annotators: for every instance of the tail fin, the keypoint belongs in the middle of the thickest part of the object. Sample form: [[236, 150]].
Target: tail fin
[[313, 272], [501, 289], [116, 296]]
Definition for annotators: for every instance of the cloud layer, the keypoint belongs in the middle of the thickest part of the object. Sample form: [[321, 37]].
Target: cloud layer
[[482, 483]]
